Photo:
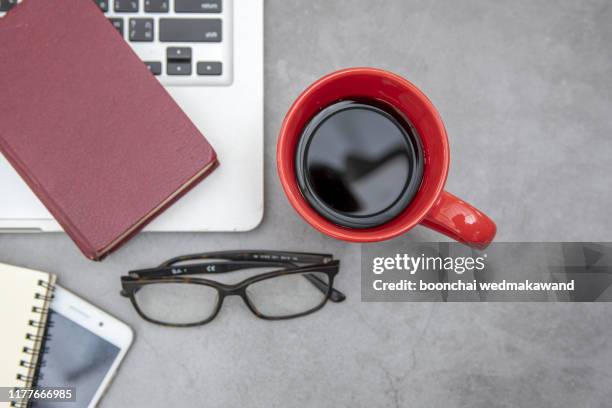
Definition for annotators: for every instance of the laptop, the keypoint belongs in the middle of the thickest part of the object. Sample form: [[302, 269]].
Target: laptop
[[209, 56]]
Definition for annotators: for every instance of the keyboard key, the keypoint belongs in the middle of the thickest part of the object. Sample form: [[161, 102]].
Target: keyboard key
[[178, 54], [210, 68], [197, 6], [179, 68], [141, 29], [6, 5], [103, 4], [154, 67], [156, 6], [118, 24], [190, 30], [126, 6]]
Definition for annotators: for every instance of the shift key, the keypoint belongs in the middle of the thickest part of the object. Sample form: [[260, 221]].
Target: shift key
[[190, 30]]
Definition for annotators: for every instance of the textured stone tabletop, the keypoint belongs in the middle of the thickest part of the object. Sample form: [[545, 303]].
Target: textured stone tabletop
[[524, 89]]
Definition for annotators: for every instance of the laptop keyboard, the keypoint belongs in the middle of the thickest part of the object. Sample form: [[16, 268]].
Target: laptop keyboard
[[182, 42]]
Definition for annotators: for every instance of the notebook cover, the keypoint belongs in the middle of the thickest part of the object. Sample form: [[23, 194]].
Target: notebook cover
[[91, 131], [25, 296]]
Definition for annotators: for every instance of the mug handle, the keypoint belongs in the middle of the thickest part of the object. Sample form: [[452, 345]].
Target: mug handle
[[460, 221]]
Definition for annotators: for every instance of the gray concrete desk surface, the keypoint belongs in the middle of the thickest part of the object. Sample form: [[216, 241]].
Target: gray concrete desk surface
[[525, 90]]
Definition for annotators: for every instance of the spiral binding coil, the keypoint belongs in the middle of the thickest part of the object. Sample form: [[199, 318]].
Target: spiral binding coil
[[43, 297], [37, 346], [46, 285]]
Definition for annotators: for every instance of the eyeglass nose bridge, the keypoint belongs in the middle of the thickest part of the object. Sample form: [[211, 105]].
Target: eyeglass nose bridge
[[240, 291], [234, 290]]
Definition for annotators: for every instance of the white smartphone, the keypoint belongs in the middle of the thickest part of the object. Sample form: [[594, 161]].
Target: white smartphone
[[84, 348]]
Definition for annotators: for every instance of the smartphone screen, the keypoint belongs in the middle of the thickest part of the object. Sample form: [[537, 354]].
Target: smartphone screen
[[74, 357]]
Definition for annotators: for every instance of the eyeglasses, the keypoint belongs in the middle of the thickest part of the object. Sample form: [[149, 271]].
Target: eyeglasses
[[166, 295]]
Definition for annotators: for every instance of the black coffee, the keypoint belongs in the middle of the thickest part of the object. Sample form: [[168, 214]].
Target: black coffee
[[359, 164]]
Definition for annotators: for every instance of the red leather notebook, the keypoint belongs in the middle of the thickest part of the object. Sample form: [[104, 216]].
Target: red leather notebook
[[92, 132]]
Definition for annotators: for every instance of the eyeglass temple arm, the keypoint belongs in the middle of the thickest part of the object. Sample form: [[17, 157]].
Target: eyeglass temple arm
[[335, 296], [256, 256], [200, 268]]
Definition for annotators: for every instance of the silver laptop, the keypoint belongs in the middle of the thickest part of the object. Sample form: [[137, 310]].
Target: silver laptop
[[209, 55]]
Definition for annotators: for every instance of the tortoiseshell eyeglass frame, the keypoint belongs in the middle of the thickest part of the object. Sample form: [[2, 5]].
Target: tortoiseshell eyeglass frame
[[175, 270]]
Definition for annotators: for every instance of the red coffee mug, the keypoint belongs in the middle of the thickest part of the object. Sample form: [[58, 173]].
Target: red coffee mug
[[432, 206]]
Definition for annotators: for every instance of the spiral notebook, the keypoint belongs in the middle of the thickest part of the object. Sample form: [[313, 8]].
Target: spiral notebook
[[25, 296]]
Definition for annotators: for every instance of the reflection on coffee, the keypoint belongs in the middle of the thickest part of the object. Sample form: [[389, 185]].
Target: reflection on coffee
[[359, 163]]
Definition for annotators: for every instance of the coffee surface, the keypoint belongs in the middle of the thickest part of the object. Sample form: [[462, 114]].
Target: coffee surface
[[358, 164]]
